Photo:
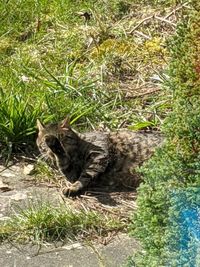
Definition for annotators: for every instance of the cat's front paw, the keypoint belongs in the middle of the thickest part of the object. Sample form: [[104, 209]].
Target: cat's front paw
[[51, 141], [54, 144], [73, 189]]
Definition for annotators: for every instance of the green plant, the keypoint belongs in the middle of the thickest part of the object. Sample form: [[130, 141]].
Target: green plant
[[41, 221], [175, 166], [17, 117]]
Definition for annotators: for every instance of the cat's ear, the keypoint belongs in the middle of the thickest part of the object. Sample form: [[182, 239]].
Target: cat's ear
[[40, 125], [65, 123]]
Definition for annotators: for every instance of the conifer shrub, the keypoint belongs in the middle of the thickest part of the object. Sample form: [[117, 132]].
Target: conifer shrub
[[167, 221]]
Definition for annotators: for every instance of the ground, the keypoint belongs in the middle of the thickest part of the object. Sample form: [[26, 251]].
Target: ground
[[18, 189], [113, 254]]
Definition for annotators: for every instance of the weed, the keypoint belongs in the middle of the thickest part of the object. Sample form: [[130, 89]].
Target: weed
[[42, 222], [43, 171]]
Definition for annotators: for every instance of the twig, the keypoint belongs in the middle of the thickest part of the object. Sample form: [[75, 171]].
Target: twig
[[154, 16], [28, 158], [7, 167], [175, 10], [88, 197], [101, 259], [97, 192], [165, 20], [140, 23], [59, 249], [143, 35], [142, 94]]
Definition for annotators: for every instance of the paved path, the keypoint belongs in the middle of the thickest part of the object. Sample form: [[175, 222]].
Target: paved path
[[15, 189], [75, 255]]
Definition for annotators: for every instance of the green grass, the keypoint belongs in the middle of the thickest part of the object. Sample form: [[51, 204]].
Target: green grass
[[54, 64], [41, 222], [18, 116]]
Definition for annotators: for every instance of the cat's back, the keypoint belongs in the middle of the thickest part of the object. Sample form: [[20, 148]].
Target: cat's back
[[137, 145], [96, 140]]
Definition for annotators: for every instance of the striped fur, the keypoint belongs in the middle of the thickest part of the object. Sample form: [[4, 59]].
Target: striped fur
[[83, 158]]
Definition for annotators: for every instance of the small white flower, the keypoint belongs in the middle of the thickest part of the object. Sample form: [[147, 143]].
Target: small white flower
[[24, 78]]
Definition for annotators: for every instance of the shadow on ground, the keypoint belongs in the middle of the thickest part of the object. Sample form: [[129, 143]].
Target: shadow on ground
[[17, 189]]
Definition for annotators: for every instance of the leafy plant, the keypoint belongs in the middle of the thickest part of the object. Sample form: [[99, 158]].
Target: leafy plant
[[17, 117], [174, 169]]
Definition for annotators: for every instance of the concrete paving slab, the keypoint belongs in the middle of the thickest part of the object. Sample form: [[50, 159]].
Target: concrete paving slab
[[71, 255], [16, 189]]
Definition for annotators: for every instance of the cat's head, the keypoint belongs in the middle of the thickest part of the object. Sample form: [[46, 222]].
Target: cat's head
[[60, 131]]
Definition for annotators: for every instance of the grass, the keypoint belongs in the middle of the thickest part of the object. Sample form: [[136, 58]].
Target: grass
[[41, 222], [54, 63]]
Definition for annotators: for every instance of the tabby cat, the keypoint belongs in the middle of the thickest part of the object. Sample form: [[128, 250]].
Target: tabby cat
[[84, 157]]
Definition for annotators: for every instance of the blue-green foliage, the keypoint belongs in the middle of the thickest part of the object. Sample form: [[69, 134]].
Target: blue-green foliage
[[173, 174]]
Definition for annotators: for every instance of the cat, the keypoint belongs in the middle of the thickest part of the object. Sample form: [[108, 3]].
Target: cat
[[82, 158]]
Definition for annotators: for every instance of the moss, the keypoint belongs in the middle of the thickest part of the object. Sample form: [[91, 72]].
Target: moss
[[6, 46], [113, 47]]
